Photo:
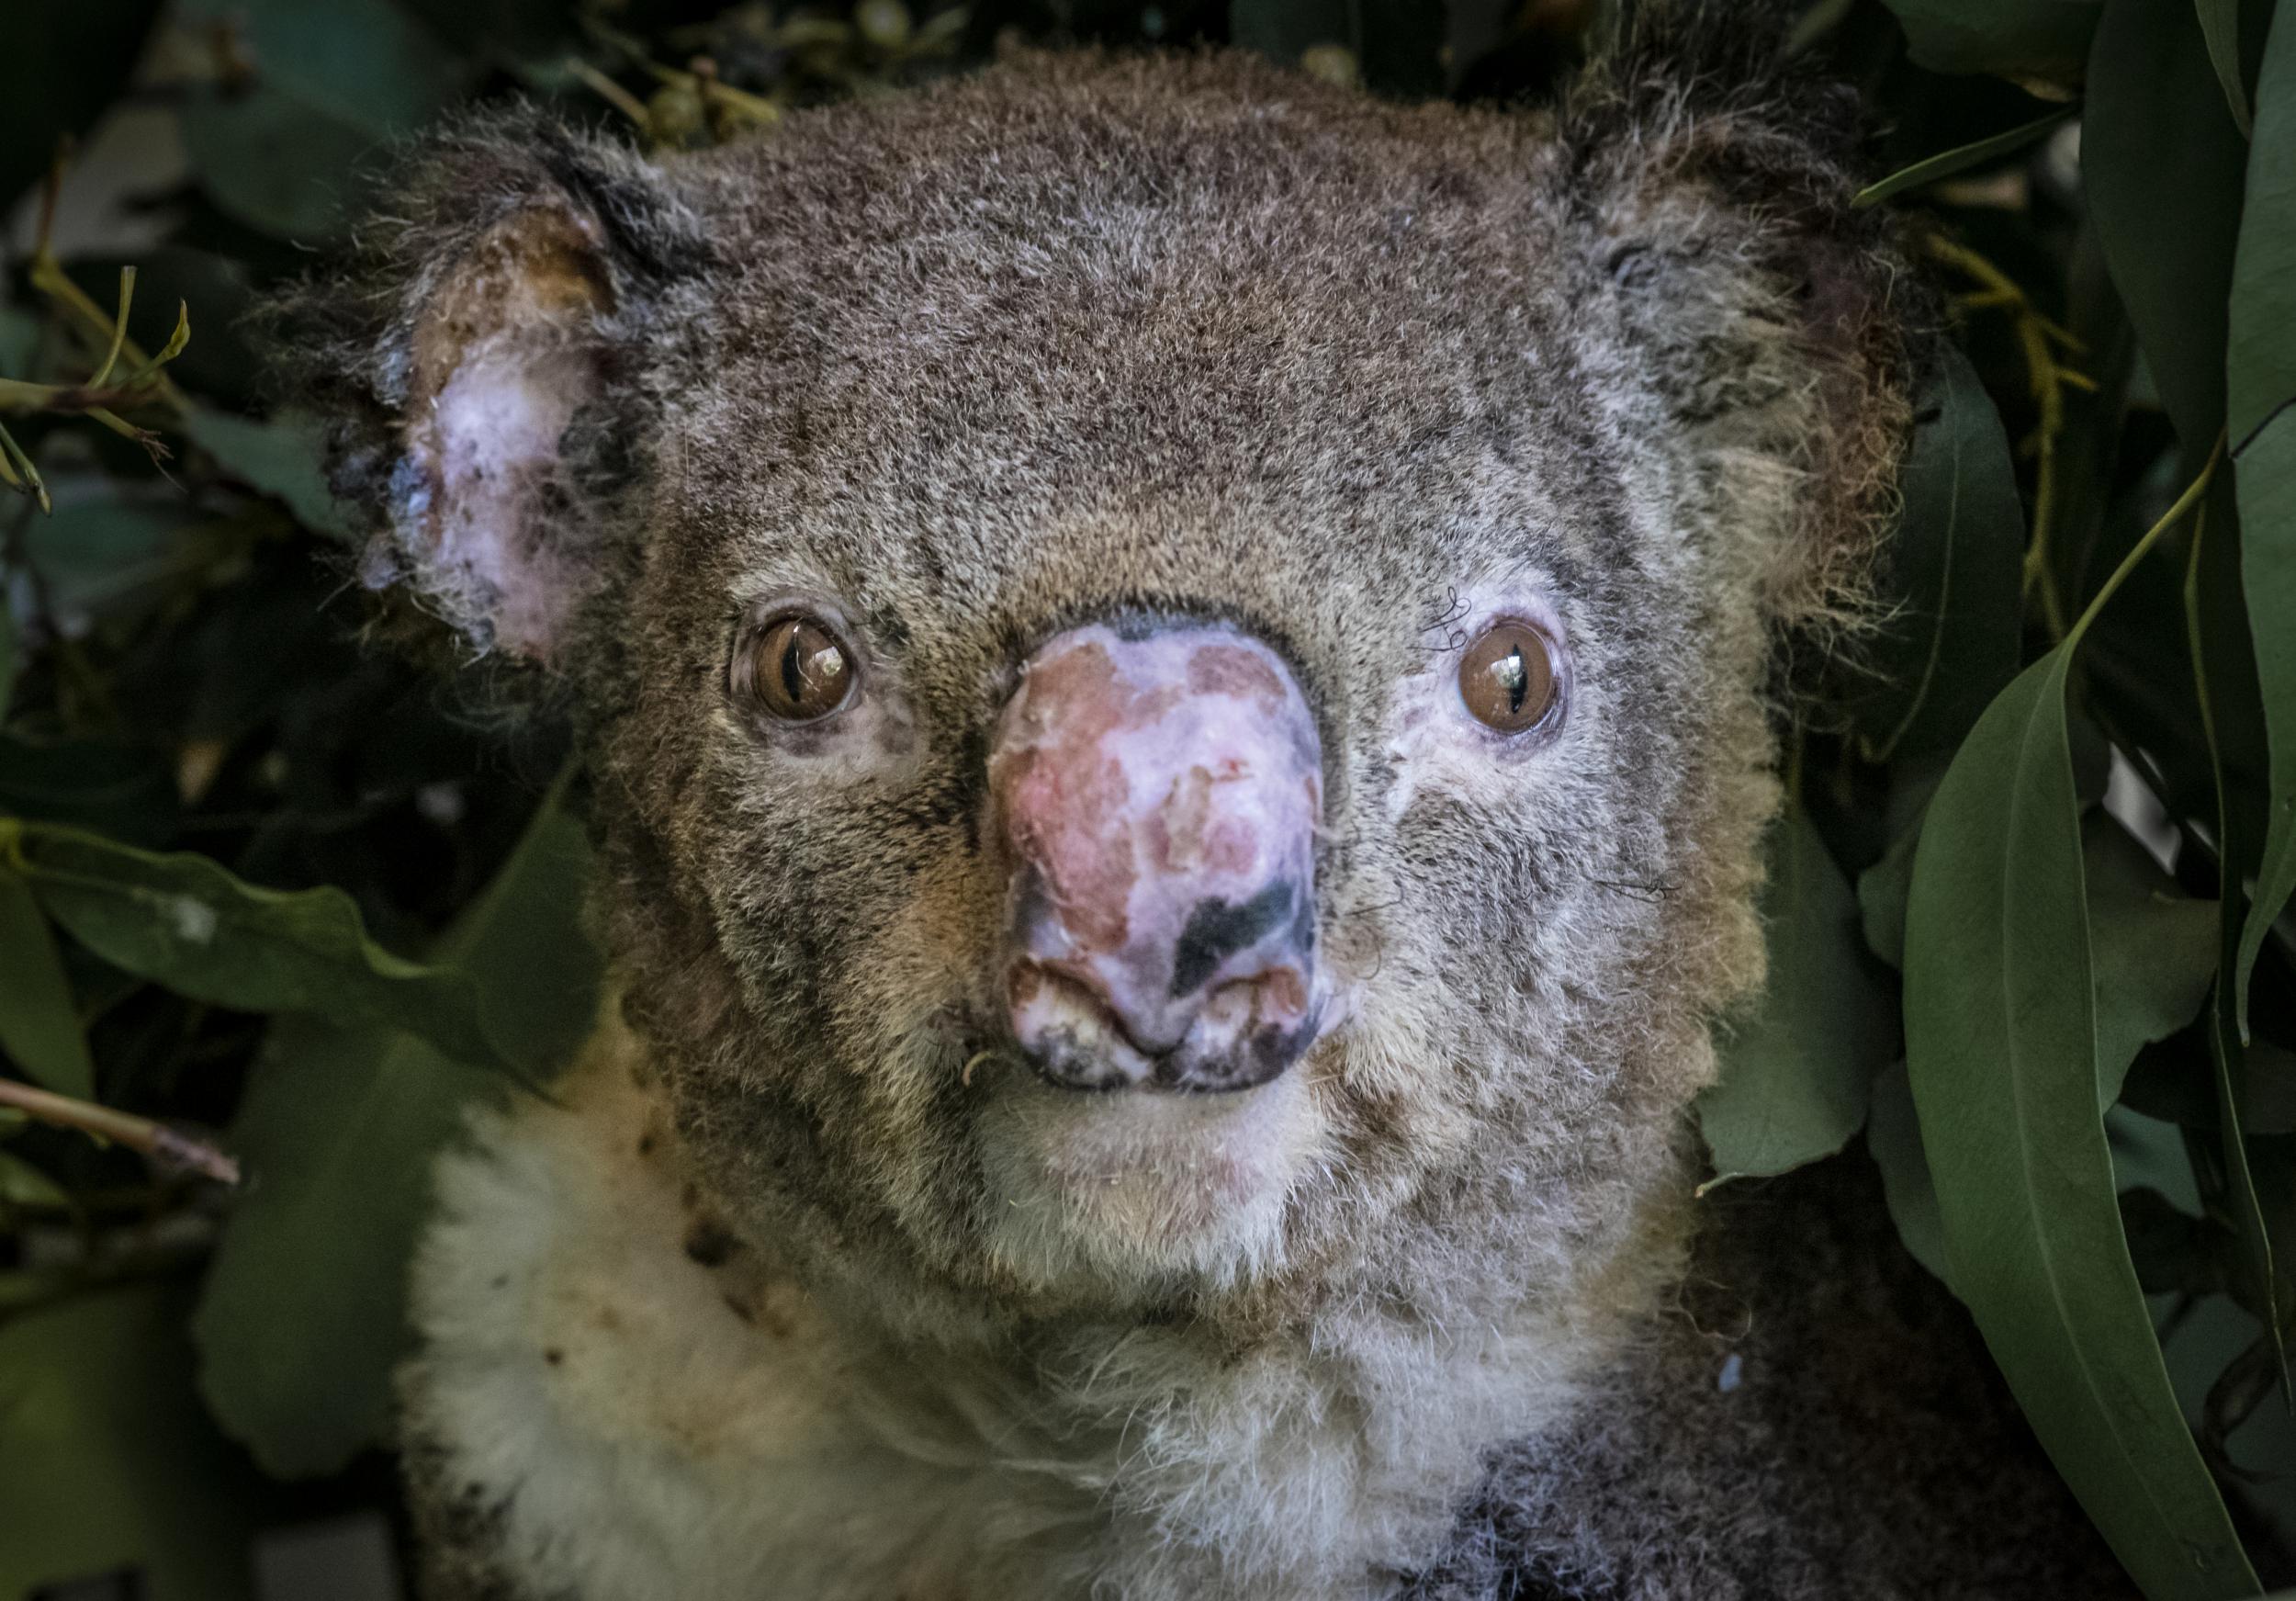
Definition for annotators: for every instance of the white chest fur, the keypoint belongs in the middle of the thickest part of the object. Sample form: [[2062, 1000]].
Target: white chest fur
[[652, 1427]]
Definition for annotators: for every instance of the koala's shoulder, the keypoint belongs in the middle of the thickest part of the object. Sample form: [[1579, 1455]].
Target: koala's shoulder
[[1815, 1406]]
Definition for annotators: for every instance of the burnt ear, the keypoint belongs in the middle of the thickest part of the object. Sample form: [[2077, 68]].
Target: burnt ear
[[1764, 324], [480, 363]]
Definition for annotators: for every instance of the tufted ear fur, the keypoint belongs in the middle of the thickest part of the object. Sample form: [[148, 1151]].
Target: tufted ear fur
[[480, 358], [1762, 317]]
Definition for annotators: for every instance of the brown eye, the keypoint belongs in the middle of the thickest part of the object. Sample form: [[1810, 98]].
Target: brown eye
[[1507, 677], [798, 671]]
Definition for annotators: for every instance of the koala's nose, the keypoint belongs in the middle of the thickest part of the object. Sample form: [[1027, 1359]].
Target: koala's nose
[[1159, 791]]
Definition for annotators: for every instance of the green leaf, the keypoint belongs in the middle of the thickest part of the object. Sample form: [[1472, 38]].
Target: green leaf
[[40, 1027], [304, 1314], [21, 1184], [110, 556], [1882, 891], [2153, 950], [275, 163], [333, 84], [2161, 167], [2027, 40], [184, 921], [1961, 158], [2224, 687], [1796, 1072], [2003, 1056], [9, 656], [2260, 373], [2174, 1080], [1893, 1134], [369, 64], [2220, 25], [282, 456], [107, 1460], [1399, 43], [1955, 633]]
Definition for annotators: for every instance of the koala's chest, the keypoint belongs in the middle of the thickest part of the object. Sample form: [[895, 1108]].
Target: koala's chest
[[629, 1403]]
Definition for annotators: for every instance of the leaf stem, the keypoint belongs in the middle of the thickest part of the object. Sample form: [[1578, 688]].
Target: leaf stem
[[163, 1145], [2169, 519]]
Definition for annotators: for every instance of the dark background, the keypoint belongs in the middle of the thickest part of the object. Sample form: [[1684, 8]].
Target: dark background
[[276, 879]]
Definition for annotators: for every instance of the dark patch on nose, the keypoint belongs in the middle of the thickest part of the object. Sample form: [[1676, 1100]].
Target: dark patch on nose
[[1032, 900], [1218, 929]]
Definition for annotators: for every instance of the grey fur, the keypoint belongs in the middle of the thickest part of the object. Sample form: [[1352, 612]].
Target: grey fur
[[969, 366]]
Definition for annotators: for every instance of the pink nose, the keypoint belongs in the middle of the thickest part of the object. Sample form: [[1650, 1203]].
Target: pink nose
[[1160, 794]]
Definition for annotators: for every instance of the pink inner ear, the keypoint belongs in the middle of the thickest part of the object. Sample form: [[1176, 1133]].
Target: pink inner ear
[[496, 527]]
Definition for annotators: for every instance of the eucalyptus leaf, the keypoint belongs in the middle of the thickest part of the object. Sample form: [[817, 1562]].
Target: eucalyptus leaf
[[2227, 692], [2161, 165], [2042, 42], [2002, 1051], [1952, 636], [2174, 1080], [277, 163], [21, 1184], [106, 1460], [2260, 373], [1963, 157], [11, 646], [2152, 949], [40, 1027], [1882, 891], [282, 456], [184, 921], [1893, 1136], [2220, 25], [111, 557], [370, 62], [1797, 1071], [304, 1314]]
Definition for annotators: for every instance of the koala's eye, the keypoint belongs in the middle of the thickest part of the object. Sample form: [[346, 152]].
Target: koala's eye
[[797, 669], [1507, 678]]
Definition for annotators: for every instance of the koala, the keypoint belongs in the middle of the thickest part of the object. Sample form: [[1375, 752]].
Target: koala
[[1179, 671]]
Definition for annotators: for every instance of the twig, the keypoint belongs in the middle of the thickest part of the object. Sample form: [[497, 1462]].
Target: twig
[[2047, 377], [166, 1147]]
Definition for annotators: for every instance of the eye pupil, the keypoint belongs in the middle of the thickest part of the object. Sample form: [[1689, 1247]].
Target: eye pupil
[[799, 670], [1507, 677], [1513, 681], [793, 670]]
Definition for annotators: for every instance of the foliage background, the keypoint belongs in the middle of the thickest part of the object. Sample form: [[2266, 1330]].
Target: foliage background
[[277, 900]]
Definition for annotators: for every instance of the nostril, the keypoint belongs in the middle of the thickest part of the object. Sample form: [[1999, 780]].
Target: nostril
[[1066, 1025], [1240, 1033]]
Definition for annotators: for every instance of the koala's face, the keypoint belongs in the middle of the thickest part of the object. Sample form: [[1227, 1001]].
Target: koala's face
[[1173, 656]]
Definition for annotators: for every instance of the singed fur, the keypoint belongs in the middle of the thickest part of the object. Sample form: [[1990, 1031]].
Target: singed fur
[[959, 370]]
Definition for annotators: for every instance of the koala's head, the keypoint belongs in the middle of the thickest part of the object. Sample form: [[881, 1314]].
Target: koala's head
[[1174, 658]]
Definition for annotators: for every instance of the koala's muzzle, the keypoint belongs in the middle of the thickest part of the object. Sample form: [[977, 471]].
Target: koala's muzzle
[[1159, 795]]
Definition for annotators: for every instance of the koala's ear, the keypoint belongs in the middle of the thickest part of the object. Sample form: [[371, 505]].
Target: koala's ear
[[479, 362], [1753, 316]]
